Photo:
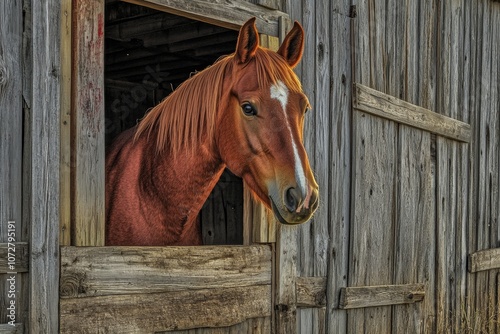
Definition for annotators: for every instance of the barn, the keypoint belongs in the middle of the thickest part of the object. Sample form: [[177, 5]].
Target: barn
[[403, 137]]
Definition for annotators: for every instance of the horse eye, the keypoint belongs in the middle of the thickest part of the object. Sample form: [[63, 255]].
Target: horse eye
[[248, 109]]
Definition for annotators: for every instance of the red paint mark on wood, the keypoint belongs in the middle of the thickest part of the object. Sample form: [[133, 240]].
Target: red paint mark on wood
[[100, 29]]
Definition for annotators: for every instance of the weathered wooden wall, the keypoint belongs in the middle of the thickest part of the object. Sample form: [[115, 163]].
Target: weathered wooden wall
[[11, 153], [29, 161], [407, 236], [403, 205]]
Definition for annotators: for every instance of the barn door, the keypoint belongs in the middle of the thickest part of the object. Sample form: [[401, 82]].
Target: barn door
[[409, 209]]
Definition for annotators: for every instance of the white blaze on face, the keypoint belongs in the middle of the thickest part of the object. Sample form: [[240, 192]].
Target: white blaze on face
[[280, 92]]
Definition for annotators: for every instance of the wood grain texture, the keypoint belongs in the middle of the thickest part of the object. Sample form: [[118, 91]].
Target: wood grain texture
[[311, 291], [149, 313], [11, 132], [129, 270], [373, 296], [414, 232], [484, 260], [43, 127], [373, 200], [18, 328], [286, 273], [65, 126], [387, 106], [251, 326], [88, 124], [21, 257], [228, 14], [153, 289]]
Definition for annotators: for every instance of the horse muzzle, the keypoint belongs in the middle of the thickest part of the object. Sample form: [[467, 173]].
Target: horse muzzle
[[293, 206]]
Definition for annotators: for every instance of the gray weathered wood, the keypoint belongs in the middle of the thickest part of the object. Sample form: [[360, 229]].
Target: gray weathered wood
[[128, 270], [486, 259], [386, 106], [65, 125], [339, 164], [11, 134], [415, 230], [251, 326], [286, 273], [18, 328], [43, 127], [372, 296], [149, 313], [21, 257], [228, 14], [88, 124], [373, 198], [311, 291]]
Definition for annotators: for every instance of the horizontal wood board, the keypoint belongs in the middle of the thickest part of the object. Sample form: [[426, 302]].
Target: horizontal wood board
[[150, 289], [228, 14], [129, 270], [373, 296], [383, 105]]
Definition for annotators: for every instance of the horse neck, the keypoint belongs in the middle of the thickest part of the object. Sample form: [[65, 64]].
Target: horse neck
[[182, 183]]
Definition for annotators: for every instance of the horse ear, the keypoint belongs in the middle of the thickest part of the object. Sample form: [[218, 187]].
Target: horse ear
[[293, 45], [248, 41]]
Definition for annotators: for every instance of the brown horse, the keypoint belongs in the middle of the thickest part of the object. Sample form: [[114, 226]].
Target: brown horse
[[245, 112]]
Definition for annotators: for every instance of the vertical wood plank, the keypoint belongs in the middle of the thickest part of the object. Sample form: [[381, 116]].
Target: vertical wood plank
[[371, 257], [11, 142], [65, 173], [339, 165], [487, 155], [285, 275], [415, 230], [88, 123], [471, 53], [44, 129]]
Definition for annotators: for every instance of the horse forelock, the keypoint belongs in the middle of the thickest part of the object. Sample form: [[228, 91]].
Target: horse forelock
[[188, 115]]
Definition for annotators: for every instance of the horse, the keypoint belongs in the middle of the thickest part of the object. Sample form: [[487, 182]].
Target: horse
[[245, 112]]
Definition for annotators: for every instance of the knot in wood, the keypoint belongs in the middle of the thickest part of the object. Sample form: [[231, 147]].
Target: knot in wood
[[72, 284]]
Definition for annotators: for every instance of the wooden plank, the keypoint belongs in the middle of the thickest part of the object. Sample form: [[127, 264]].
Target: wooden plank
[[43, 126], [88, 123], [21, 253], [18, 328], [340, 164], [149, 313], [65, 126], [228, 14], [251, 326], [372, 216], [484, 260], [415, 229], [372, 296], [486, 154], [311, 291], [11, 135], [126, 270], [286, 273], [377, 103]]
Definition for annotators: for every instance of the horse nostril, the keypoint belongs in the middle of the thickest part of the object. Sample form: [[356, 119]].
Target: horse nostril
[[292, 199]]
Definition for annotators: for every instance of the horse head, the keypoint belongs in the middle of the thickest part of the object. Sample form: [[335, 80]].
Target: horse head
[[259, 131]]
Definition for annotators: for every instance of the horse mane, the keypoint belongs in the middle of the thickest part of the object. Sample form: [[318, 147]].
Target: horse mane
[[188, 115]]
